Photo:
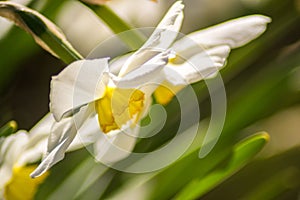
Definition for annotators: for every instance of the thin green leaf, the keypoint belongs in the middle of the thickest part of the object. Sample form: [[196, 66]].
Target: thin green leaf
[[279, 178], [75, 184], [243, 152], [134, 39], [9, 66], [8, 129], [276, 185], [44, 32]]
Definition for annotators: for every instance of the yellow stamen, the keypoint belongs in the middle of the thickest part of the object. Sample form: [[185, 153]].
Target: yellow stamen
[[21, 186], [118, 106], [165, 92], [175, 60], [172, 59]]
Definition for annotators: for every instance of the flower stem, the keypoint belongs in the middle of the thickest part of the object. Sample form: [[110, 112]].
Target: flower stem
[[8, 129], [134, 39]]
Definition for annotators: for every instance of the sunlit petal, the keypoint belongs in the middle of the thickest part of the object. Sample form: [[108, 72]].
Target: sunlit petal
[[233, 33], [114, 147], [11, 147], [78, 84], [160, 40], [62, 135], [144, 74], [198, 67]]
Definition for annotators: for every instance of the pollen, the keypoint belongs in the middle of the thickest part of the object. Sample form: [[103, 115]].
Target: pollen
[[21, 186], [118, 106]]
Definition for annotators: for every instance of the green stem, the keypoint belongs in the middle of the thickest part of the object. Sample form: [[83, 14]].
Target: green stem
[[8, 129], [134, 39]]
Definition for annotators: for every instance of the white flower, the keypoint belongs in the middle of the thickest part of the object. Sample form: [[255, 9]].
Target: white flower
[[18, 154], [88, 89]]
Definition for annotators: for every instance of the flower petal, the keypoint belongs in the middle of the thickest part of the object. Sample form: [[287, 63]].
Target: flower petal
[[114, 147], [160, 40], [43, 126], [87, 134], [57, 152], [61, 137], [10, 149], [233, 33], [116, 64], [167, 30], [147, 73], [198, 67], [37, 141], [12, 146], [202, 53], [78, 84]]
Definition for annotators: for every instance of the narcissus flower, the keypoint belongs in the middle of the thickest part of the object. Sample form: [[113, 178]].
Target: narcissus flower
[[89, 89], [18, 154]]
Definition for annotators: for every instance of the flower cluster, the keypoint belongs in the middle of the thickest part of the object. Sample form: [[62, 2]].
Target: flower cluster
[[89, 94], [18, 154]]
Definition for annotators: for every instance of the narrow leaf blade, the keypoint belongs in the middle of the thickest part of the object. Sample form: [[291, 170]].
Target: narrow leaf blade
[[44, 32], [242, 153]]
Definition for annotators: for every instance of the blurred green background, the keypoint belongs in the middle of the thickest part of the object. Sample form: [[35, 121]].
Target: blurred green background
[[262, 84]]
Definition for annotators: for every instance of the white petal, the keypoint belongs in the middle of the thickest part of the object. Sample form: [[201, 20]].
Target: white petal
[[61, 137], [57, 152], [37, 141], [198, 67], [33, 153], [43, 126], [160, 40], [144, 74], [12, 146], [10, 149], [78, 84], [116, 64], [206, 50], [167, 30], [233, 33], [87, 134], [111, 148]]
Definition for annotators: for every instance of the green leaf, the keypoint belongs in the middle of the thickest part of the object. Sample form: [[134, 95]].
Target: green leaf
[[281, 182], [79, 180], [133, 38], [9, 66], [44, 32], [8, 129], [242, 153]]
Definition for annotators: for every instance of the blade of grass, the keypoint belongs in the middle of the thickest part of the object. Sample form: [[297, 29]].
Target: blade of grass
[[259, 175], [74, 182], [242, 153], [21, 50], [45, 33], [134, 39], [276, 185]]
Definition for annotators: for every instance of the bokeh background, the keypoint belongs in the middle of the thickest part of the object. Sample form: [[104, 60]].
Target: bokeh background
[[262, 84]]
